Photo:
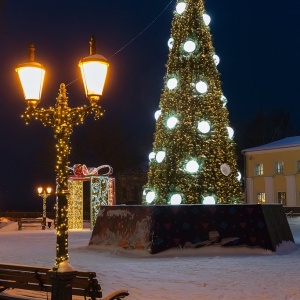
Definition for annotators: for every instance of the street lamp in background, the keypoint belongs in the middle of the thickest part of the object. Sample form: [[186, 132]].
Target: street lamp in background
[[44, 193], [62, 118]]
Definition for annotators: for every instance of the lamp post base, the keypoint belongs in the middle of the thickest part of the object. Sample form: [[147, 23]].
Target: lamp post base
[[61, 284]]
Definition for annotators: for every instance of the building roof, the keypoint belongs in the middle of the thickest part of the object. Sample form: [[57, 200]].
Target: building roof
[[293, 141]]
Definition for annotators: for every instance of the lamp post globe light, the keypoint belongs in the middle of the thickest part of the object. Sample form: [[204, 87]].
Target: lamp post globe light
[[44, 193], [62, 118]]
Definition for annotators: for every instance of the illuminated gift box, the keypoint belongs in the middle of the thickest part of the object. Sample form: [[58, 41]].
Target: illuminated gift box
[[102, 192]]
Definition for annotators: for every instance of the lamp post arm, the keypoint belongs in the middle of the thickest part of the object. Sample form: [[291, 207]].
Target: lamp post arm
[[78, 114], [46, 116]]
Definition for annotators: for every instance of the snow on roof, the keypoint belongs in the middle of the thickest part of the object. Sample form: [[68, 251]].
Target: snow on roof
[[293, 141]]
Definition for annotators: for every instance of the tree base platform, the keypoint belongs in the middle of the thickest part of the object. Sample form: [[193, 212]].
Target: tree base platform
[[161, 227]]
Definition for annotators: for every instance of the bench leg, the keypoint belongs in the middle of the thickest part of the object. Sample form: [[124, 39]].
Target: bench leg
[[61, 284]]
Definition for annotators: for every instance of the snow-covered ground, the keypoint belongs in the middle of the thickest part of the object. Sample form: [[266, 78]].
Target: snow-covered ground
[[207, 273]]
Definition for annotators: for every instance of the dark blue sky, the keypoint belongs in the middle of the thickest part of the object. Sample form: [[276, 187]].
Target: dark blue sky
[[258, 42]]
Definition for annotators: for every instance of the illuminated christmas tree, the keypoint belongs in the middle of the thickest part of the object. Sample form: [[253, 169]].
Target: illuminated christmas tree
[[193, 159]]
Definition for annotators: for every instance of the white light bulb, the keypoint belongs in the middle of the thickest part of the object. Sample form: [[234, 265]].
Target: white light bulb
[[151, 155], [204, 127], [192, 166], [172, 83], [206, 19], [189, 46], [150, 197], [180, 8], [216, 59], [170, 43], [157, 114], [172, 121], [160, 155], [230, 132], [201, 87], [209, 200], [176, 199]]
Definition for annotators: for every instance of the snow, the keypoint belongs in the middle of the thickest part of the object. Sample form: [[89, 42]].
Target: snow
[[212, 272]]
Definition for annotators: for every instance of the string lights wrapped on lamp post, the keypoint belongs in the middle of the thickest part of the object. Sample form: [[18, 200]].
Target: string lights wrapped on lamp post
[[44, 193], [62, 118]]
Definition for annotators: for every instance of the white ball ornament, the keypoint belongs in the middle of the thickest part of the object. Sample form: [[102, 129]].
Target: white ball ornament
[[239, 176], [176, 199], [209, 200], [192, 166], [189, 46], [230, 132], [180, 7], [160, 155], [151, 155], [203, 127], [170, 43], [224, 100], [206, 19], [157, 114], [150, 196], [201, 87], [172, 83], [225, 169], [216, 59], [171, 123]]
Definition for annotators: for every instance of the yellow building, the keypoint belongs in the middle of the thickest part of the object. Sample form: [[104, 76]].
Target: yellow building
[[273, 172]]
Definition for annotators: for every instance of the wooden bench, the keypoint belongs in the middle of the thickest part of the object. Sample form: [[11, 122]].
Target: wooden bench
[[30, 222], [17, 278]]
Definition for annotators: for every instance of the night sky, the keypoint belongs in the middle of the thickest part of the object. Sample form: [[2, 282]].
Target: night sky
[[258, 42]]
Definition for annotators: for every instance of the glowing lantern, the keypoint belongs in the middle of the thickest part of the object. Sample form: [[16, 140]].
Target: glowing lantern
[[31, 76], [93, 70]]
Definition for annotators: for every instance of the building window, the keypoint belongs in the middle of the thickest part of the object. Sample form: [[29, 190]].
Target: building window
[[259, 169], [281, 198], [261, 198], [279, 167]]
